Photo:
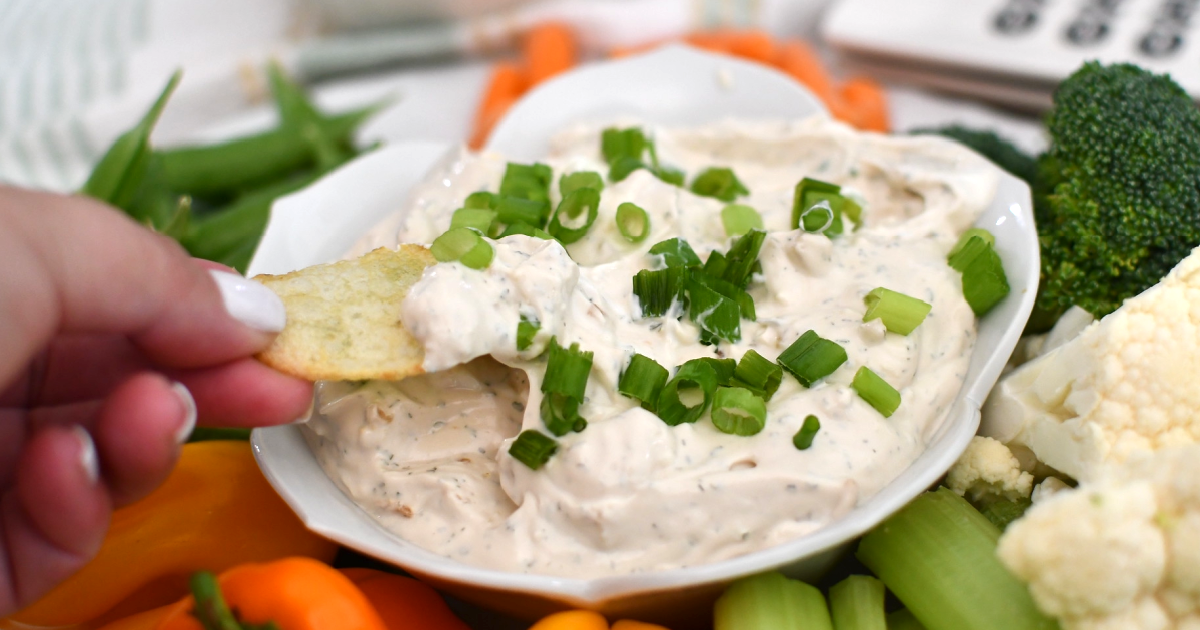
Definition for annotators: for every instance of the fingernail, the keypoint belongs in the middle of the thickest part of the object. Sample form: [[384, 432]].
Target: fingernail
[[88, 460], [250, 302], [189, 412]]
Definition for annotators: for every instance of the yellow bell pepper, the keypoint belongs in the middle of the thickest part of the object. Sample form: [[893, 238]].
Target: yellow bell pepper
[[214, 512], [588, 620]]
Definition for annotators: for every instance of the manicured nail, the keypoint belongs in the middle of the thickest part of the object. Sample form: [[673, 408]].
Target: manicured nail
[[189, 412], [250, 302], [88, 460]]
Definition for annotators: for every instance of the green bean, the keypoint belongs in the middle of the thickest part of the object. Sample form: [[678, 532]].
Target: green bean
[[119, 174]]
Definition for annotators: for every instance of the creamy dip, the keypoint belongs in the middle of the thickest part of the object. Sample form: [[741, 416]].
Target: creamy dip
[[428, 456]]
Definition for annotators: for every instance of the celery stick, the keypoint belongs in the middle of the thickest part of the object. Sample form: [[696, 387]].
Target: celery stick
[[770, 601], [938, 555], [903, 620], [857, 604]]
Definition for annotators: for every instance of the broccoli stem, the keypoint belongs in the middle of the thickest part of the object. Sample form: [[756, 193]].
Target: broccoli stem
[[857, 604], [770, 601], [938, 556]]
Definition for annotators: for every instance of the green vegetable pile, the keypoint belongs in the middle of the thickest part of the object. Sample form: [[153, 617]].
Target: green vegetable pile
[[1117, 194], [215, 199]]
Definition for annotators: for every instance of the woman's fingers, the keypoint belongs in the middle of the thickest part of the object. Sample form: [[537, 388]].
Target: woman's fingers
[[54, 517], [138, 431], [78, 266], [246, 393]]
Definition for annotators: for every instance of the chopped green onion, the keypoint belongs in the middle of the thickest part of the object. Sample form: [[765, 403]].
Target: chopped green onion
[[809, 193], [984, 283], [716, 264], [568, 184], [903, 620], [938, 556], [856, 603], [526, 230], [900, 313], [817, 219], [739, 219], [694, 378], [474, 218], [744, 301], [623, 167], [770, 601], [510, 210], [464, 245], [724, 369], [584, 201], [643, 380], [876, 391], [851, 209], [632, 222], [807, 433], [482, 200], [811, 358], [969, 245], [526, 330], [560, 414], [533, 448], [658, 290], [720, 183], [742, 259], [567, 370], [738, 411], [675, 252], [672, 176], [714, 313], [758, 374], [527, 181], [617, 144]]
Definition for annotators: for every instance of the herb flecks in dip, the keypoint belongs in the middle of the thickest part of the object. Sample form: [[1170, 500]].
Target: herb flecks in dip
[[429, 456]]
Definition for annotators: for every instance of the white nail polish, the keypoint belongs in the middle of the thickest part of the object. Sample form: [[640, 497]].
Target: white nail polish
[[88, 460], [189, 407], [250, 302]]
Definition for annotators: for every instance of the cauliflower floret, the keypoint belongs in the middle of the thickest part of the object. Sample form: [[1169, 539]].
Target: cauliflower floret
[[1119, 552], [1125, 385], [987, 470]]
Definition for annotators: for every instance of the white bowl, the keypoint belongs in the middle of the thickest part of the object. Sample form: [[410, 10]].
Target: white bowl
[[675, 85]]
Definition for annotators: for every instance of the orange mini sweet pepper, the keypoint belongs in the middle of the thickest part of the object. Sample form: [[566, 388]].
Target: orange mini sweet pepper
[[588, 620], [215, 511]]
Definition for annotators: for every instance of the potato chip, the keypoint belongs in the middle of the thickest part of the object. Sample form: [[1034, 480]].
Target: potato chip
[[343, 318]]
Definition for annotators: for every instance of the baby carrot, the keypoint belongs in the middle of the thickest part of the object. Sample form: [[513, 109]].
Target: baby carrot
[[800, 61], [548, 49], [754, 45], [572, 620], [868, 102], [506, 86]]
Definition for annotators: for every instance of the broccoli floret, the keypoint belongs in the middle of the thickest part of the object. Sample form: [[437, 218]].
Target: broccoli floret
[[991, 146], [1118, 194]]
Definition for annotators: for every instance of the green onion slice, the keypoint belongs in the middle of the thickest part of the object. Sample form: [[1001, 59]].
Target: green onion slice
[[808, 431], [527, 181], [632, 222], [567, 370], [560, 414], [527, 328], [724, 369], [510, 210], [658, 290], [716, 264], [811, 358], [742, 259], [524, 229], [817, 219], [720, 183], [464, 245], [675, 252], [969, 245], [738, 411], [809, 194], [568, 184], [583, 202], [900, 313], [758, 374], [744, 301], [482, 200], [984, 283], [617, 144], [623, 167], [533, 448], [685, 397], [739, 219], [876, 391], [643, 380], [477, 219], [714, 313], [672, 176]]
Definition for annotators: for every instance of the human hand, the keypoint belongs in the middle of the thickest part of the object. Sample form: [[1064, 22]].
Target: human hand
[[112, 343]]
